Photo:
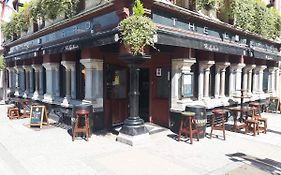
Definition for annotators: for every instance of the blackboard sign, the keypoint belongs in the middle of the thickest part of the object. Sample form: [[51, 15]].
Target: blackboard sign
[[38, 116]]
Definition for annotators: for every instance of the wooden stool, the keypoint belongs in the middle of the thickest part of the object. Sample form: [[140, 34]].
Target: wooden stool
[[252, 124], [219, 113], [26, 112], [257, 106], [190, 118], [259, 118], [13, 113], [81, 129]]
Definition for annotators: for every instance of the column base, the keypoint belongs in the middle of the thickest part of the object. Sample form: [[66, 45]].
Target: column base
[[48, 98], [25, 95], [35, 96], [141, 139], [65, 102], [17, 94]]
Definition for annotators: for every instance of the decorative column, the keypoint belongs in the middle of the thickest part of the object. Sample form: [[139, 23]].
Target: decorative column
[[248, 71], [11, 81], [27, 77], [217, 81], [201, 83], [221, 81], [276, 87], [231, 80], [259, 70], [205, 66], [41, 90], [238, 75], [93, 81], [19, 81], [37, 81], [69, 67], [51, 81], [133, 126], [179, 66]]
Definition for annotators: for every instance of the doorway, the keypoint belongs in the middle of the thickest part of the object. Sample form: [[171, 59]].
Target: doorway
[[144, 94]]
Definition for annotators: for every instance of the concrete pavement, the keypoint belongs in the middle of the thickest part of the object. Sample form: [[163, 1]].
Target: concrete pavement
[[51, 151]]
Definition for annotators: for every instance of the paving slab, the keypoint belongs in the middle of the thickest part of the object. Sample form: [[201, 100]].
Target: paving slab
[[51, 151]]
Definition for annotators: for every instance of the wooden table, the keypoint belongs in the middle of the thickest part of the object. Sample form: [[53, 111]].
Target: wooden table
[[242, 97], [234, 111]]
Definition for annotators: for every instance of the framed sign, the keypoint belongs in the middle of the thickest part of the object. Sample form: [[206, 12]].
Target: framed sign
[[38, 116], [186, 85]]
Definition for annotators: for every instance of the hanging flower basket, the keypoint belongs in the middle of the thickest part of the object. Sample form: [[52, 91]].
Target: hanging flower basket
[[137, 32]]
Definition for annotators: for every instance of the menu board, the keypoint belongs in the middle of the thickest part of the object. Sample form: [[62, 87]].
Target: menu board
[[38, 116]]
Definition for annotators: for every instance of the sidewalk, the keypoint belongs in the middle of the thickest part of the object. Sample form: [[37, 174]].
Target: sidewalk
[[27, 151]]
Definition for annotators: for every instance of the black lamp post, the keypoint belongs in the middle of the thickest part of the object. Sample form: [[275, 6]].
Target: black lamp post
[[134, 125]]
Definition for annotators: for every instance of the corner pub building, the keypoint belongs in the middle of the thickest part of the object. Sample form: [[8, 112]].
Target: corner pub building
[[198, 61]]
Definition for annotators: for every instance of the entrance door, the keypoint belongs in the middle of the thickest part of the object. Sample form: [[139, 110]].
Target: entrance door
[[144, 94], [117, 93]]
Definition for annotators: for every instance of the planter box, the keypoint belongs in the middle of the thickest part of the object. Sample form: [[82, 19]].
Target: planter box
[[49, 22], [92, 3]]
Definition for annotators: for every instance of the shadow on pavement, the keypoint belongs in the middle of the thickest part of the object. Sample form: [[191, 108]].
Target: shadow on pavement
[[266, 164], [274, 132]]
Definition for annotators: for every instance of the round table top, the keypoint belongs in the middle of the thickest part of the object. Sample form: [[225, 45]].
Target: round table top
[[188, 113], [218, 111], [240, 96], [239, 108]]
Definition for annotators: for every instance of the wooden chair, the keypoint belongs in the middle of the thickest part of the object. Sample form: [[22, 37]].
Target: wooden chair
[[186, 126], [13, 113], [77, 126], [262, 121], [25, 109], [252, 124], [217, 113]]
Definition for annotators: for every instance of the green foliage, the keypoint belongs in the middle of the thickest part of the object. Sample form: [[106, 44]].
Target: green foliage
[[138, 8], [51, 8], [7, 30], [2, 63], [22, 17], [206, 4], [137, 32], [69, 7], [36, 10], [253, 16]]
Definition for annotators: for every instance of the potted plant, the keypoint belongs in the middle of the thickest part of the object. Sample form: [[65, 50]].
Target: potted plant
[[92, 3], [70, 7], [7, 30], [207, 7], [137, 31], [23, 21], [52, 10], [36, 15]]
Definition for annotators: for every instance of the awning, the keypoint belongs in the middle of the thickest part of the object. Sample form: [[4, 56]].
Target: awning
[[94, 40], [23, 54], [265, 55], [175, 39]]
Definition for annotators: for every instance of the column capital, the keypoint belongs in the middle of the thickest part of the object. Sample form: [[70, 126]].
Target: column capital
[[260, 68], [10, 69], [51, 66], [27, 68], [36, 67], [69, 65], [222, 65], [273, 69], [203, 65], [183, 64], [19, 68], [250, 67], [92, 63], [237, 67]]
